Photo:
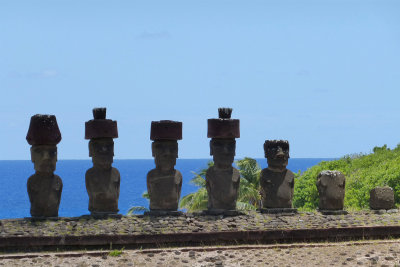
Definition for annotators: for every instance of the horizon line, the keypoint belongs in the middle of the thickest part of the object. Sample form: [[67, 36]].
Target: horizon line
[[178, 158]]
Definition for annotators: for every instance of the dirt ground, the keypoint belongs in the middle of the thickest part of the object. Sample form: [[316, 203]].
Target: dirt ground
[[359, 253]]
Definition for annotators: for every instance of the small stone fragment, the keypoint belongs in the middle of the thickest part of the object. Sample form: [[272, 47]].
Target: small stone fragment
[[381, 198]]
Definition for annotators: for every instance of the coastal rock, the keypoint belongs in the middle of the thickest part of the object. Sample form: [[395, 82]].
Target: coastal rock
[[381, 198]]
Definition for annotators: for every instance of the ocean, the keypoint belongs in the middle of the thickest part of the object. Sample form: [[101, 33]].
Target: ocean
[[14, 201]]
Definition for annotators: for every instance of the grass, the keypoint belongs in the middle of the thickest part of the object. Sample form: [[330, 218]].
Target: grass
[[116, 252]]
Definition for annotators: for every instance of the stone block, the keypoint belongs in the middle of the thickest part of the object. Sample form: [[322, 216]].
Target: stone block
[[381, 198], [331, 189]]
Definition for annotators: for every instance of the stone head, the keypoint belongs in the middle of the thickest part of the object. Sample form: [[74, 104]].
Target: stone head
[[165, 153], [277, 153], [44, 158], [331, 189], [223, 151], [102, 152]]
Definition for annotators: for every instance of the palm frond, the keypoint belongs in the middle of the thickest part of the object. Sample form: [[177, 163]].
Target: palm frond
[[198, 180], [136, 209], [249, 194], [186, 201], [249, 169], [195, 201]]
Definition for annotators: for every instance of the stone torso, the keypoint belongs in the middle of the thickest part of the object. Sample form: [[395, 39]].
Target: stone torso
[[331, 190], [164, 189], [44, 195], [277, 188], [222, 187], [103, 189]]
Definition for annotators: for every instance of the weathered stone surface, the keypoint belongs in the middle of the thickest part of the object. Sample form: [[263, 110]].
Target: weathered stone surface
[[331, 189], [381, 198], [100, 127], [43, 130], [44, 187], [166, 130], [277, 182], [44, 194], [164, 183], [163, 213], [333, 212], [224, 126], [278, 210], [377, 253], [102, 180], [140, 225], [222, 180]]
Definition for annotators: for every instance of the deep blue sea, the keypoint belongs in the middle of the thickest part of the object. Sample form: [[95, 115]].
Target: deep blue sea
[[14, 201]]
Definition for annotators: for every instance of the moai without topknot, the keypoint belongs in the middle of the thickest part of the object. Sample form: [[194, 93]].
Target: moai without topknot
[[381, 198], [222, 180], [277, 182], [102, 180], [164, 183], [44, 187], [331, 190]]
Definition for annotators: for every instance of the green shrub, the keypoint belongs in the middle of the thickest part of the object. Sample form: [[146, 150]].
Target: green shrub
[[363, 172]]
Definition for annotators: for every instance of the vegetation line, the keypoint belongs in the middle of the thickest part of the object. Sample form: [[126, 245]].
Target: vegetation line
[[363, 172]]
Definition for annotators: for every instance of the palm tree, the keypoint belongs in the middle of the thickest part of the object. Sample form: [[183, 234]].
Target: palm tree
[[249, 197], [197, 201], [139, 209], [249, 189]]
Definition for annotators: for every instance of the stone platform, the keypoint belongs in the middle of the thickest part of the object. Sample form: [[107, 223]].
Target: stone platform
[[195, 229]]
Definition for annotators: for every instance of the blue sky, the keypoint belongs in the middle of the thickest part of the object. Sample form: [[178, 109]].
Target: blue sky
[[324, 75]]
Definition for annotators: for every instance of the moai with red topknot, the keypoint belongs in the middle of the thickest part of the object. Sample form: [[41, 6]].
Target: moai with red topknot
[[102, 180], [44, 187], [222, 180], [164, 183]]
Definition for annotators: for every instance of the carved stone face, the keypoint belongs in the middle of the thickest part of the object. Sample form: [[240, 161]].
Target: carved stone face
[[277, 155], [223, 151], [102, 152], [165, 153], [44, 158]]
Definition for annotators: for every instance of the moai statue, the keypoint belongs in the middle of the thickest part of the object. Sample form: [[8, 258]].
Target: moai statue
[[381, 198], [222, 180], [102, 180], [277, 182], [331, 190], [164, 183], [44, 187]]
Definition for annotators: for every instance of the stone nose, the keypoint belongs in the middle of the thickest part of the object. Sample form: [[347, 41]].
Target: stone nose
[[226, 149], [280, 153], [46, 155], [166, 151]]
